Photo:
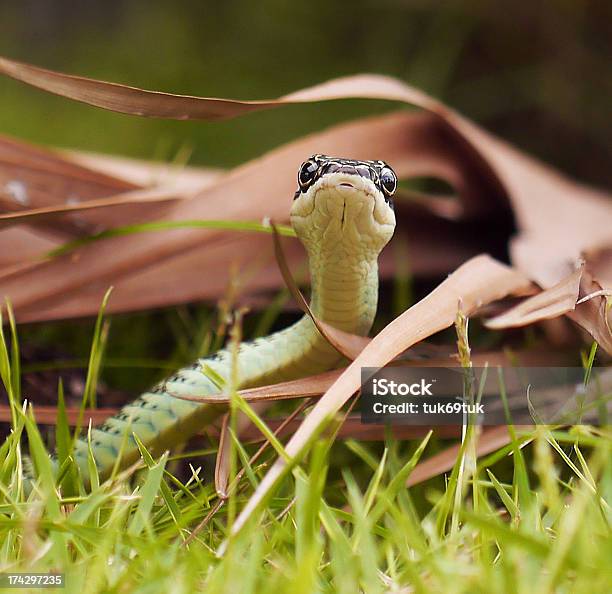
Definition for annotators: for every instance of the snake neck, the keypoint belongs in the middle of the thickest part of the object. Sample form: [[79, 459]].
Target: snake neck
[[344, 289]]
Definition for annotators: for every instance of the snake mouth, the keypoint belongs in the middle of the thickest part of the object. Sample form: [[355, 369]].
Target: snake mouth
[[349, 200]]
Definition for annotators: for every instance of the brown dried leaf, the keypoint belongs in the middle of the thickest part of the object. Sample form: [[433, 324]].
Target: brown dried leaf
[[593, 310], [35, 178], [49, 213], [313, 385], [140, 102], [550, 303]]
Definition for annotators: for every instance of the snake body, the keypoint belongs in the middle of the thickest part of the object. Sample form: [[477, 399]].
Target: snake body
[[343, 214]]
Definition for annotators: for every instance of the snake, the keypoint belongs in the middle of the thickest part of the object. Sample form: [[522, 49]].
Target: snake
[[343, 214]]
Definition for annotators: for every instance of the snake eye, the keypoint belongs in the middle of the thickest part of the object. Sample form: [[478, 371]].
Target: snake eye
[[307, 173], [388, 181]]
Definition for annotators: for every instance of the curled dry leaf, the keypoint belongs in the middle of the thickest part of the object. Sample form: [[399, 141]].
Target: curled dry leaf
[[69, 183], [486, 172], [594, 313], [579, 296], [550, 303], [141, 102], [33, 178], [475, 283]]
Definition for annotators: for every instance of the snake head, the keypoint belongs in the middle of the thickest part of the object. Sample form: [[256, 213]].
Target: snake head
[[346, 201]]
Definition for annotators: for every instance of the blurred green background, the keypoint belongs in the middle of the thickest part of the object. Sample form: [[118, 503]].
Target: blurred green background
[[536, 73]]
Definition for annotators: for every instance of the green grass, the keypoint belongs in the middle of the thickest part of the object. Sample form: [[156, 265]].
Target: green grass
[[533, 517]]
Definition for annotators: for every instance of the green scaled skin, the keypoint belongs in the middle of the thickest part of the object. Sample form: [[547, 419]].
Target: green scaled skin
[[342, 213]]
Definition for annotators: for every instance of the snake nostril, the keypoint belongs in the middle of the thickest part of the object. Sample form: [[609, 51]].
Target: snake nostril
[[346, 185]]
